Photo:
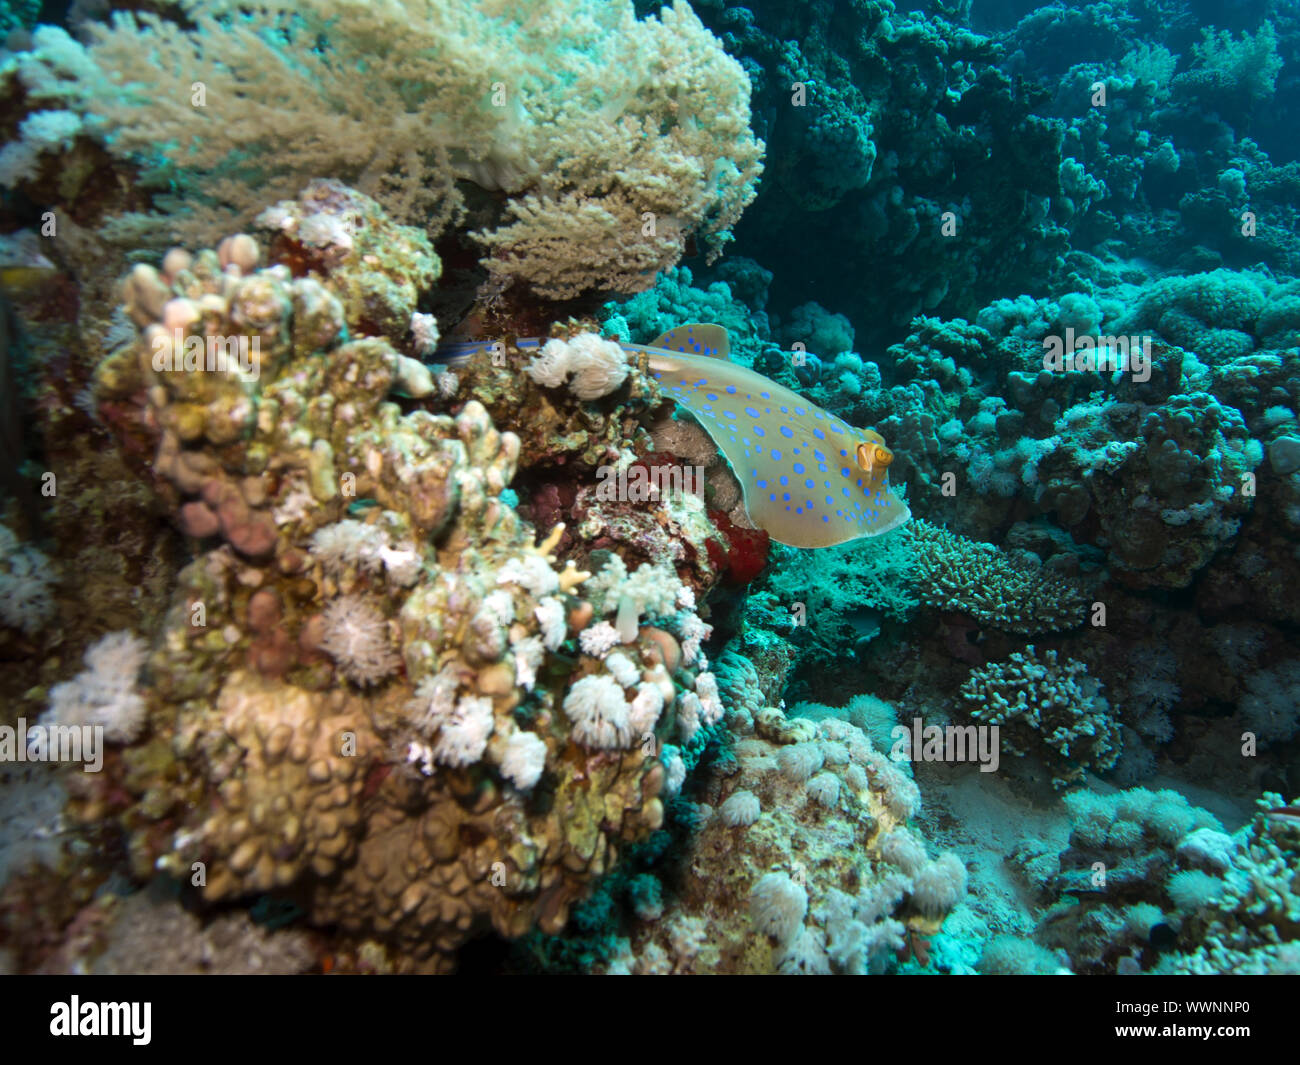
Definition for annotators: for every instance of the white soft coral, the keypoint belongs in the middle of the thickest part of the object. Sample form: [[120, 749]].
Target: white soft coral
[[460, 727], [595, 367], [524, 760], [104, 694], [464, 733], [599, 713], [368, 547], [651, 591], [597, 639], [25, 582], [356, 637]]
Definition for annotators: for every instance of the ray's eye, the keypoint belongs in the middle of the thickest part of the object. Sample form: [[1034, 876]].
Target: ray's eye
[[872, 457]]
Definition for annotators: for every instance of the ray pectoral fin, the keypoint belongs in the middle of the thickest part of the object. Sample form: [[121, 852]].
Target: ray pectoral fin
[[894, 513], [696, 339]]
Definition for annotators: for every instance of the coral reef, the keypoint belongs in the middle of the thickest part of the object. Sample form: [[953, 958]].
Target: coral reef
[[1151, 883], [384, 510], [801, 869], [434, 606], [1242, 920]]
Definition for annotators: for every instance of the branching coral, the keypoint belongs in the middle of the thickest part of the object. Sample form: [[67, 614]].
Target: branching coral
[[1053, 710], [953, 573]]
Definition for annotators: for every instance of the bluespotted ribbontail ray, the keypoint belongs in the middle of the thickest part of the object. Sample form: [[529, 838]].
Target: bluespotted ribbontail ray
[[809, 478]]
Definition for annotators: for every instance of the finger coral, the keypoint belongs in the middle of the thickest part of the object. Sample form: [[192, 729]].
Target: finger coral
[[1051, 709]]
